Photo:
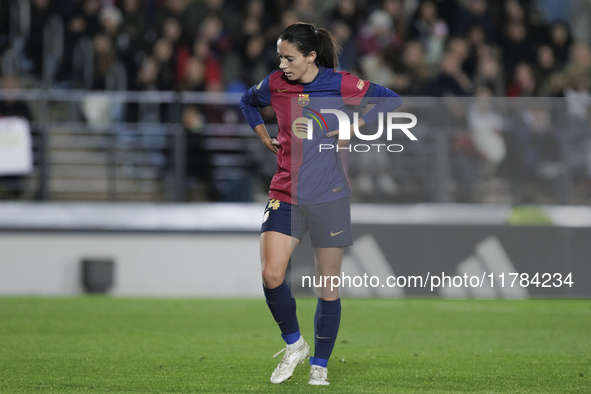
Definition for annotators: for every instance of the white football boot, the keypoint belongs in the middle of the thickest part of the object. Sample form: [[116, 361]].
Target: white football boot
[[292, 357], [318, 376]]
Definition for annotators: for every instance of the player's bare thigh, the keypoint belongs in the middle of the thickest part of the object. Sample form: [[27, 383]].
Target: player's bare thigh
[[276, 249], [328, 263]]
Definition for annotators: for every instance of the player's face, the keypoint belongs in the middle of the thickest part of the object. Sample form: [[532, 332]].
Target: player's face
[[294, 64]]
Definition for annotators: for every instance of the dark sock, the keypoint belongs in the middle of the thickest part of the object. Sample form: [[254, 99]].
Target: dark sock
[[326, 328], [283, 308]]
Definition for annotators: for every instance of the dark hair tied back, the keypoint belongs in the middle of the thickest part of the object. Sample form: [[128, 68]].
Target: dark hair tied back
[[306, 38]]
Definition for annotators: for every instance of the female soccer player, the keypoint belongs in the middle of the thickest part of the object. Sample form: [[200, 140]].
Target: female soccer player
[[310, 191]]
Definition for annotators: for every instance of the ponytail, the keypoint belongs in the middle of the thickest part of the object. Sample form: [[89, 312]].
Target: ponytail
[[306, 38], [328, 50]]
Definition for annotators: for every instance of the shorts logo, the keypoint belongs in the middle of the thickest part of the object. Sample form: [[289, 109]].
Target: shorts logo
[[304, 99], [332, 234], [265, 216]]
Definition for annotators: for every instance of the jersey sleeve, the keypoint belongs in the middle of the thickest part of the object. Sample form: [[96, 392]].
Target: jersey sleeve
[[353, 89], [385, 101], [256, 97]]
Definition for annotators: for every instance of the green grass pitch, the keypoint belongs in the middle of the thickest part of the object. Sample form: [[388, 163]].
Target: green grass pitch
[[101, 344]]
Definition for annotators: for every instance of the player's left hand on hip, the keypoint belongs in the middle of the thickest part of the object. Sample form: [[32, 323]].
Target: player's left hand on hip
[[341, 143]]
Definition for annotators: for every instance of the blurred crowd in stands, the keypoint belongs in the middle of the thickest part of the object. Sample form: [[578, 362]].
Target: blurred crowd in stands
[[416, 47], [440, 48]]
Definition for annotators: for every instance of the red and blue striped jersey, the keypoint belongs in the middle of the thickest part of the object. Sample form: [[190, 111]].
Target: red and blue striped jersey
[[305, 174]]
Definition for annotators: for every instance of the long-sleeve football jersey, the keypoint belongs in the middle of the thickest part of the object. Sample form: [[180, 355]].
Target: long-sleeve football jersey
[[305, 173]]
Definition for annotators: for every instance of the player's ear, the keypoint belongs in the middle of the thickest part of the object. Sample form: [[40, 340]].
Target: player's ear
[[311, 58]]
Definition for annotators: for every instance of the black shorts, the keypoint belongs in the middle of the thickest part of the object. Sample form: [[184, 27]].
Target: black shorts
[[329, 223]]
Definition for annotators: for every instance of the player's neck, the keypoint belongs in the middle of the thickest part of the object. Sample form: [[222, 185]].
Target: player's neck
[[310, 74]]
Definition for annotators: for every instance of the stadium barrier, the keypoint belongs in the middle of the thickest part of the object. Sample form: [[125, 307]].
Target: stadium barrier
[[486, 150], [212, 250]]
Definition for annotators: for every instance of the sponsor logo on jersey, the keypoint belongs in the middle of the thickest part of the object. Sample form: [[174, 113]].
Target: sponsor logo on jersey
[[302, 127]]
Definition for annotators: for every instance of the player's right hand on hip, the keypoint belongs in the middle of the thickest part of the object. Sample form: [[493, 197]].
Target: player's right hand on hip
[[273, 145]]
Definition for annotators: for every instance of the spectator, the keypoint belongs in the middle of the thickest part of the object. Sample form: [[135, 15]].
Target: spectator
[[10, 107], [40, 11], [346, 11], [212, 71], [75, 29], [580, 60], [560, 43], [579, 17], [342, 34], [147, 75], [476, 14], [451, 80], [377, 37], [430, 31], [523, 83], [111, 19], [308, 12], [546, 70], [134, 22], [287, 17], [395, 9], [104, 61], [194, 76], [459, 47], [212, 32], [413, 75], [173, 8], [477, 41], [513, 12], [90, 13], [172, 31], [254, 62], [147, 79], [198, 11], [479, 151], [486, 126], [163, 53], [489, 74], [4, 26], [253, 20], [448, 11], [516, 48]]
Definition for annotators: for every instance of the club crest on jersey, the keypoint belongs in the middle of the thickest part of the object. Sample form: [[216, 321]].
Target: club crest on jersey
[[304, 99]]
